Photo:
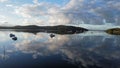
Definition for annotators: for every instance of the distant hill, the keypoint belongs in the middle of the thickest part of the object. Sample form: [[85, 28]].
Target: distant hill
[[114, 31], [60, 29]]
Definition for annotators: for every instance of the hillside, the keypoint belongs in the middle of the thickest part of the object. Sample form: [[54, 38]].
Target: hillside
[[60, 29], [114, 31]]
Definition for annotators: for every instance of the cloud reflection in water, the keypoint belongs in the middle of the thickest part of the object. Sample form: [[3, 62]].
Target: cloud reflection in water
[[102, 51]]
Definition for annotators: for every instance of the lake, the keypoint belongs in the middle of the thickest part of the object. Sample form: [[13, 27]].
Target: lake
[[92, 49]]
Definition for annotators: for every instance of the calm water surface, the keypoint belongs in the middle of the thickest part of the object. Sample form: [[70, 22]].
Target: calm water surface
[[85, 50]]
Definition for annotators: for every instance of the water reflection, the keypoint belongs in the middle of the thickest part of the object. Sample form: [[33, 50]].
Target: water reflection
[[86, 50]]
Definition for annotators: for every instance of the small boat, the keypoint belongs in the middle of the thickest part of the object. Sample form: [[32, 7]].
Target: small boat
[[14, 38], [12, 35], [52, 35]]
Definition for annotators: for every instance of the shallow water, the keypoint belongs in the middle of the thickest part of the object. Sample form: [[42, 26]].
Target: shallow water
[[92, 49]]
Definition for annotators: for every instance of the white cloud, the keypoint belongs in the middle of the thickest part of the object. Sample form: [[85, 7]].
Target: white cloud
[[32, 21], [31, 10], [73, 4], [9, 5], [48, 12], [3, 0], [74, 12], [2, 19], [35, 1]]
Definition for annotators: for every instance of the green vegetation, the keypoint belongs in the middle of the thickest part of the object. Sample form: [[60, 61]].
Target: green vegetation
[[114, 31]]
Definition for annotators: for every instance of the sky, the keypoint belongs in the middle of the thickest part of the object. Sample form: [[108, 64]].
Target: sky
[[60, 12]]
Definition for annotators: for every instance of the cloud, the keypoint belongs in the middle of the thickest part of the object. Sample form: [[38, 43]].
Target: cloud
[[3, 0], [46, 13], [74, 12], [35, 1], [2, 18], [93, 12], [9, 5], [36, 10]]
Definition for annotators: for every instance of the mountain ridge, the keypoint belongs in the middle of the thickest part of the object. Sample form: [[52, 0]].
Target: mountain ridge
[[59, 29]]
